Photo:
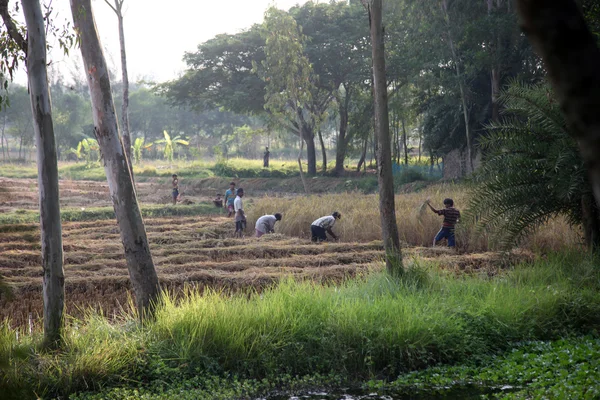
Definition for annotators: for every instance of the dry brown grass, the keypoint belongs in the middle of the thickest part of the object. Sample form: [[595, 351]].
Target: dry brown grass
[[417, 224]]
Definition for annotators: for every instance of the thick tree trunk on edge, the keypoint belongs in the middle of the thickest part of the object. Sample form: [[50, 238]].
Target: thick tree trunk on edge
[[382, 129], [591, 222], [571, 56], [133, 233], [50, 225]]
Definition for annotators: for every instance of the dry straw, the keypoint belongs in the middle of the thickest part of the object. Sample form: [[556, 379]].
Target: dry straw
[[416, 223]]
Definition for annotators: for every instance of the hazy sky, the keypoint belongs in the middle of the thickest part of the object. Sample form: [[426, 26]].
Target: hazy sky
[[158, 32]]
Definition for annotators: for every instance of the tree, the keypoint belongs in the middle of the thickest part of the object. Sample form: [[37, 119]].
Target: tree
[[387, 205], [50, 223], [133, 233], [558, 31], [292, 97], [118, 9], [531, 170]]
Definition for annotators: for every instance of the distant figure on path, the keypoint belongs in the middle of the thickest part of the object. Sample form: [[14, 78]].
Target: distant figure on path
[[266, 224], [229, 199], [323, 225], [175, 189], [218, 201], [451, 217], [266, 157], [240, 216]]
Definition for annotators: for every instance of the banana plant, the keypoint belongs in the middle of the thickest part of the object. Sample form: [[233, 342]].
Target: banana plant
[[170, 144], [138, 146], [86, 148]]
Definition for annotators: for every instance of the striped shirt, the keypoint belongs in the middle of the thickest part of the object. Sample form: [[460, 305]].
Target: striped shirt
[[326, 222], [451, 216]]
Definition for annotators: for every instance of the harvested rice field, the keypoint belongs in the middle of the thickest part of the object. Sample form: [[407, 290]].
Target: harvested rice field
[[189, 251]]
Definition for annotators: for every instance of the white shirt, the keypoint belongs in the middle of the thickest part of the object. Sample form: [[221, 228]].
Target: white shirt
[[325, 222], [237, 204], [266, 223]]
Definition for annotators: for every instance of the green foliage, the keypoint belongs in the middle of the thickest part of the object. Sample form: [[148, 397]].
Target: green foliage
[[531, 170], [170, 145], [98, 213], [138, 146]]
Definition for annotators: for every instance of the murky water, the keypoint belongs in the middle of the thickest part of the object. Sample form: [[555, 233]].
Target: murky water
[[453, 394]]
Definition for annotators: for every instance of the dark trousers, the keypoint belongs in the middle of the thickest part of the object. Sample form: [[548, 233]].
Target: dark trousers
[[318, 234], [447, 233]]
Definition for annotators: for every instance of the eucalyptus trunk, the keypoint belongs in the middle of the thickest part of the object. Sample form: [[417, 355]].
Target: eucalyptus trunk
[[323, 151], [387, 206], [342, 142], [571, 56], [50, 225], [133, 233], [125, 77]]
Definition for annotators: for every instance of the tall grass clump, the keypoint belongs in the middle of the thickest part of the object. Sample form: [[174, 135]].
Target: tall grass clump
[[416, 223]]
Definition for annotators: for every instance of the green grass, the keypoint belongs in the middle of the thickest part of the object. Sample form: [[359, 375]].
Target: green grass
[[12, 219], [367, 328]]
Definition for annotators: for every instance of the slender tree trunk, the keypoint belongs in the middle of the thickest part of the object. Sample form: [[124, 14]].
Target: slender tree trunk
[[133, 233], [125, 106], [311, 153], [559, 33], [342, 143], [362, 161], [387, 206], [323, 151], [2, 137], [300, 166], [50, 225], [591, 222], [495, 73], [405, 142], [461, 85]]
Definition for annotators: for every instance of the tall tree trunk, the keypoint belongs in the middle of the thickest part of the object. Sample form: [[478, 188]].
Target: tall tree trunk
[[591, 222], [342, 142], [363, 157], [571, 57], [405, 142], [324, 169], [133, 233], [387, 206], [461, 84], [495, 73], [311, 152], [2, 137], [50, 225], [300, 167]]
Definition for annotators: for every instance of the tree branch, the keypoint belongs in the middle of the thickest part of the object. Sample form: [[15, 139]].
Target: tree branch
[[11, 27]]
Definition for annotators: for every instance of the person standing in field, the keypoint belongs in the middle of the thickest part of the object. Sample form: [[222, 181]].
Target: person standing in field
[[266, 157], [322, 226], [175, 189], [240, 216], [229, 199], [451, 217], [266, 224]]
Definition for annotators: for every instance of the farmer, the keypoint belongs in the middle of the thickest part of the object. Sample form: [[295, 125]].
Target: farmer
[[229, 199], [323, 225], [266, 224], [266, 157], [175, 189], [240, 216], [218, 201], [451, 217]]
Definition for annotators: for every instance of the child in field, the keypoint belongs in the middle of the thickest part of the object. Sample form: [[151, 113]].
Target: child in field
[[322, 226], [240, 216], [266, 224], [451, 217], [229, 199], [218, 201], [175, 189]]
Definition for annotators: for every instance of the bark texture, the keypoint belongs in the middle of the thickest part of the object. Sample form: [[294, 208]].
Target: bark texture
[[387, 206], [559, 33], [133, 233], [50, 225]]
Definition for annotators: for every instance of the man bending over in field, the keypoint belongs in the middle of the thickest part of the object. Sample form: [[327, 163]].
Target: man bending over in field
[[451, 217], [229, 199], [266, 224], [240, 216], [175, 189], [322, 226]]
